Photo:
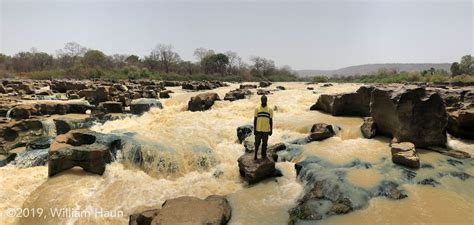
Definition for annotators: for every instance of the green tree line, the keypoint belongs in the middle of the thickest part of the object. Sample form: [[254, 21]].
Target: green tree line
[[78, 62]]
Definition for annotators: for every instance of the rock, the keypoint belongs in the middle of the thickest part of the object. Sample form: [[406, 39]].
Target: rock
[[2, 89], [64, 125], [64, 86], [327, 85], [453, 153], [39, 143], [111, 107], [244, 131], [95, 96], [165, 94], [405, 154], [254, 171], [310, 88], [461, 123], [247, 86], [214, 210], [368, 128], [23, 112], [202, 101], [389, 189], [321, 131], [87, 149], [280, 88], [265, 83], [237, 94], [202, 85], [27, 88], [143, 218], [168, 83], [348, 104], [142, 105], [18, 133], [410, 114], [263, 92], [8, 159]]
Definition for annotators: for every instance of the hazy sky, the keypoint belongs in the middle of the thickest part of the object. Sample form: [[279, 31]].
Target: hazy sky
[[302, 34]]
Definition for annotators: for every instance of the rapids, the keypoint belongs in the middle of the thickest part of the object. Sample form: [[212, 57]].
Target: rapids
[[195, 153]]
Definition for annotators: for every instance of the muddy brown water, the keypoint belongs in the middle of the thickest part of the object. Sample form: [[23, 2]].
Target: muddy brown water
[[200, 154]]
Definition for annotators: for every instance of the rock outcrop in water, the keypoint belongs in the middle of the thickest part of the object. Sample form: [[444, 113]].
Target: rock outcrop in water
[[347, 104], [87, 149], [142, 105], [243, 132], [202, 101], [237, 94], [19, 133], [214, 210], [461, 123], [368, 128], [405, 154], [202, 85], [321, 131], [254, 171], [410, 114]]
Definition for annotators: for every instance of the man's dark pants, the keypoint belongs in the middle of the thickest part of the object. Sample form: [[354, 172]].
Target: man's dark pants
[[261, 137]]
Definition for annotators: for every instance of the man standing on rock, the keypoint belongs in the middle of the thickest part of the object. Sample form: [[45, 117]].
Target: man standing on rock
[[263, 126]]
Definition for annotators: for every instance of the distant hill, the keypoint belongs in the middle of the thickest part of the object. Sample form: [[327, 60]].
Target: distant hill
[[373, 68]]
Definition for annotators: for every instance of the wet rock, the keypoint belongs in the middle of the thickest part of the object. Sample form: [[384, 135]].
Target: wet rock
[[348, 104], [36, 157], [247, 86], [461, 123], [280, 88], [111, 107], [64, 86], [368, 128], [39, 143], [311, 88], [453, 153], [244, 131], [168, 83], [254, 171], [8, 159], [2, 89], [460, 175], [84, 148], [165, 94], [265, 83], [410, 114], [389, 189], [428, 181], [321, 131], [263, 92], [142, 105], [454, 162], [237, 94], [405, 154], [23, 112], [143, 218], [202, 85], [202, 101], [327, 85]]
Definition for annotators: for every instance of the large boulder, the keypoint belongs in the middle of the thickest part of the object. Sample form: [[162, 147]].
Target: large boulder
[[247, 86], [202, 101], [254, 171], [142, 105], [321, 131], [64, 86], [237, 94], [405, 154], [410, 114], [368, 128], [19, 133], [347, 104], [265, 83], [111, 107], [214, 210], [84, 148], [461, 123], [95, 96]]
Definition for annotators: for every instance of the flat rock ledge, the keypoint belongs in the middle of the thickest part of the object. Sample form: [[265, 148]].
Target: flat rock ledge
[[404, 154], [254, 171], [214, 210]]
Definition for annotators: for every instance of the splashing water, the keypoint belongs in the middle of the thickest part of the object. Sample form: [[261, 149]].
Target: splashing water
[[173, 152]]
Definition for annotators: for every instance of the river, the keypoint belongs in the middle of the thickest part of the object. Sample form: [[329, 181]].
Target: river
[[195, 154]]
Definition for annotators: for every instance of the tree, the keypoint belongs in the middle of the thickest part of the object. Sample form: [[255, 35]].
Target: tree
[[164, 54], [201, 53], [234, 62], [132, 59], [94, 58], [70, 54], [455, 69], [215, 63], [466, 64], [262, 66]]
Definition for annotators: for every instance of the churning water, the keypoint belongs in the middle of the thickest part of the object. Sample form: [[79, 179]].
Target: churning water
[[195, 153]]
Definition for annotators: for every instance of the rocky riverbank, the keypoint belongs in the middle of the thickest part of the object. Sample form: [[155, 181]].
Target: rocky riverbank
[[93, 124]]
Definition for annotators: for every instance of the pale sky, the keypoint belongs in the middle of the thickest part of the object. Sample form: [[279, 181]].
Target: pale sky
[[302, 34]]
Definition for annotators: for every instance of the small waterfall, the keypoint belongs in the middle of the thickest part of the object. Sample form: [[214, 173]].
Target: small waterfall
[[9, 113], [38, 157], [49, 128]]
